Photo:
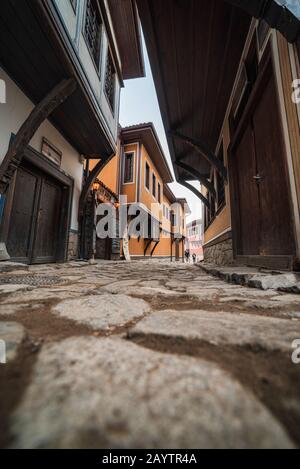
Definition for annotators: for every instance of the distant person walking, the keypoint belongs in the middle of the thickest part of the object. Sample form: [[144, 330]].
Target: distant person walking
[[187, 255], [194, 258]]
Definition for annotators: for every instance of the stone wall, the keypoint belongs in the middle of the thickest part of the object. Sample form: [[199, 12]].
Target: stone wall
[[73, 246], [220, 253]]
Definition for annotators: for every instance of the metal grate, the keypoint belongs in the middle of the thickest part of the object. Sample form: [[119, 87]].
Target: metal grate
[[110, 81], [92, 29], [34, 280]]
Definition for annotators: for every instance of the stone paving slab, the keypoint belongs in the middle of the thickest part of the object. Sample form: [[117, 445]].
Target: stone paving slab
[[8, 266], [10, 288], [13, 335], [105, 393], [221, 329], [103, 312], [255, 278]]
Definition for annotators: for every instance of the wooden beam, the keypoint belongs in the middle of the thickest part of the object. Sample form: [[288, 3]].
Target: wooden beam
[[40, 113], [202, 148], [155, 246], [194, 173], [147, 246], [88, 184], [195, 191]]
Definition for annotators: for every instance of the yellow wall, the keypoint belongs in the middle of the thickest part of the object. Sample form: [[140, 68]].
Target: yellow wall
[[146, 196], [130, 189], [137, 192], [110, 173], [222, 221]]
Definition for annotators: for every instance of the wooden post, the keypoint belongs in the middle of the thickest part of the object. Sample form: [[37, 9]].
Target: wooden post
[[14, 155]]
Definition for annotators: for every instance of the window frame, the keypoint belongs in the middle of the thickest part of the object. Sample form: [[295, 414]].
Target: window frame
[[132, 153], [147, 174], [220, 182], [154, 184], [97, 63], [159, 192], [110, 99], [74, 4]]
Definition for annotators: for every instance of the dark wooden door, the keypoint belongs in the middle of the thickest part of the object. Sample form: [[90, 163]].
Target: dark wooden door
[[261, 189], [248, 195], [46, 238], [35, 217], [22, 219], [276, 221]]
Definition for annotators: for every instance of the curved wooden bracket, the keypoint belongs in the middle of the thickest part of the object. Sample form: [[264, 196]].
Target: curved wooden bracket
[[147, 246], [88, 184], [193, 172], [14, 155], [155, 246], [203, 149], [196, 192]]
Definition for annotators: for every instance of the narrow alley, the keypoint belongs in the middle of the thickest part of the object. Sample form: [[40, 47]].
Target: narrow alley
[[145, 354]]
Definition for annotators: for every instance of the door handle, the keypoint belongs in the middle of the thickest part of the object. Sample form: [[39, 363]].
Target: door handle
[[258, 178]]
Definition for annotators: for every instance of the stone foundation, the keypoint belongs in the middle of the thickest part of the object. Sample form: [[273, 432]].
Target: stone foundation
[[73, 246], [220, 253]]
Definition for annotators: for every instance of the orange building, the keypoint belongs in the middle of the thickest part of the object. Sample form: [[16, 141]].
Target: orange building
[[144, 176], [136, 181]]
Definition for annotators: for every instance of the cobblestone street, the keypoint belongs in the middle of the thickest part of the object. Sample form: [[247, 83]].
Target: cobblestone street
[[145, 355]]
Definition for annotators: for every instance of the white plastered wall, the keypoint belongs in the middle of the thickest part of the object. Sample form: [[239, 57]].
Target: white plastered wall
[[12, 115]]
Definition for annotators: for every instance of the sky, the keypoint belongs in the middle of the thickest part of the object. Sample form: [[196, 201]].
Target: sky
[[139, 104]]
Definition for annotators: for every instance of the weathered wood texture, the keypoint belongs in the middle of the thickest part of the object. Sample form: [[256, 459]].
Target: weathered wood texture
[[196, 192], [263, 215], [202, 148], [88, 185], [291, 108], [195, 174], [42, 111]]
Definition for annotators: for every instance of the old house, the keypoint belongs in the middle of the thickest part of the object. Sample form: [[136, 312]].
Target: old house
[[144, 178], [224, 73], [63, 63]]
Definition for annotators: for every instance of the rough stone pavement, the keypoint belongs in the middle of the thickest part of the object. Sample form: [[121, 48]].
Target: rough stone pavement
[[145, 355]]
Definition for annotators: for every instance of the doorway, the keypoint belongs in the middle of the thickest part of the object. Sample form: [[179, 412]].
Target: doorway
[[262, 215], [38, 212]]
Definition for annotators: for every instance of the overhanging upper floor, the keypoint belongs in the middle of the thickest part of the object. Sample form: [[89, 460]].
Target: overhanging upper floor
[[195, 48], [43, 42]]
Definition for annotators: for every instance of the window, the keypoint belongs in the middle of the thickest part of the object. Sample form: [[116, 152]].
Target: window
[[92, 29], [74, 5], [147, 177], [154, 185], [220, 182], [110, 80], [244, 87], [173, 220], [159, 192], [128, 168]]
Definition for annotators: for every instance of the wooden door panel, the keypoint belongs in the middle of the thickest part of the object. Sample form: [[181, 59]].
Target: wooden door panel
[[46, 239], [22, 219], [276, 221], [247, 196]]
